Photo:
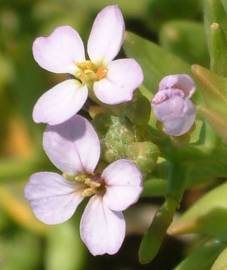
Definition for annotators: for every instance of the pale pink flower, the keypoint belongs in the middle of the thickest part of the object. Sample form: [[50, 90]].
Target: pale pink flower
[[74, 149], [172, 105], [112, 82]]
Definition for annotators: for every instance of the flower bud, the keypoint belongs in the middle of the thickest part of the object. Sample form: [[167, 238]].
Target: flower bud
[[172, 106]]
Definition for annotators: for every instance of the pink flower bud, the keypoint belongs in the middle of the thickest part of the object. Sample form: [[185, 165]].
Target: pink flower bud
[[172, 105]]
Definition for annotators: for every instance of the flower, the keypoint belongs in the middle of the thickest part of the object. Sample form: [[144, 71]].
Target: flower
[[112, 82], [74, 148], [172, 105]]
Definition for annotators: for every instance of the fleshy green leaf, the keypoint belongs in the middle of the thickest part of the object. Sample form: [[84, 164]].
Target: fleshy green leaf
[[155, 234], [224, 3], [155, 61], [179, 38], [221, 261], [213, 87], [154, 187], [217, 121], [207, 216], [202, 258], [214, 91], [216, 29]]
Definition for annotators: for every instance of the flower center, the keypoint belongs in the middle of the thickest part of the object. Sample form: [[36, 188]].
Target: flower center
[[89, 72], [90, 184]]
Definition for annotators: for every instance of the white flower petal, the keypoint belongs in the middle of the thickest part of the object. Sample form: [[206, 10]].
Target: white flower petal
[[123, 77], [59, 51], [72, 146], [123, 184], [179, 81], [107, 35], [60, 102], [101, 229], [52, 198]]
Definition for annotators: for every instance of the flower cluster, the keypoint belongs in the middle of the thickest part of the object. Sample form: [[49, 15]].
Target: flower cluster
[[71, 142]]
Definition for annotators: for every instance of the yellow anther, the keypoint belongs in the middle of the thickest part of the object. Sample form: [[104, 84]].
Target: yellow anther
[[89, 186], [101, 72], [88, 192], [91, 183], [89, 72]]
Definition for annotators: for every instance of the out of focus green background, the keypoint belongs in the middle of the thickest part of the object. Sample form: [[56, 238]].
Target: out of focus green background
[[26, 244]]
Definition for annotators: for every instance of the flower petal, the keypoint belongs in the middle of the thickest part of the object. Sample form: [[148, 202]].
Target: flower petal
[[168, 104], [101, 229], [106, 35], [59, 51], [178, 126], [60, 103], [123, 77], [179, 81], [72, 146], [52, 198], [123, 184]]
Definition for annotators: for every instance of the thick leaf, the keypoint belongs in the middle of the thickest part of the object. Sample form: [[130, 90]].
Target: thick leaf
[[224, 3], [154, 187], [179, 38], [202, 258], [155, 61], [217, 121], [221, 262], [207, 216], [216, 29], [213, 87], [155, 234]]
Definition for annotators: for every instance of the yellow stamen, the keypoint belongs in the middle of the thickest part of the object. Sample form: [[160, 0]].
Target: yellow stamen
[[90, 187], [89, 72], [101, 72]]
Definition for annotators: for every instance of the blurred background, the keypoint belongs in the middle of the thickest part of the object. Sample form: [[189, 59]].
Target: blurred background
[[26, 244]]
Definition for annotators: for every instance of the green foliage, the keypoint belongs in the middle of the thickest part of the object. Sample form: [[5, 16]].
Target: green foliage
[[170, 37], [202, 257], [207, 216], [221, 261], [148, 54], [164, 10], [179, 38], [64, 248]]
